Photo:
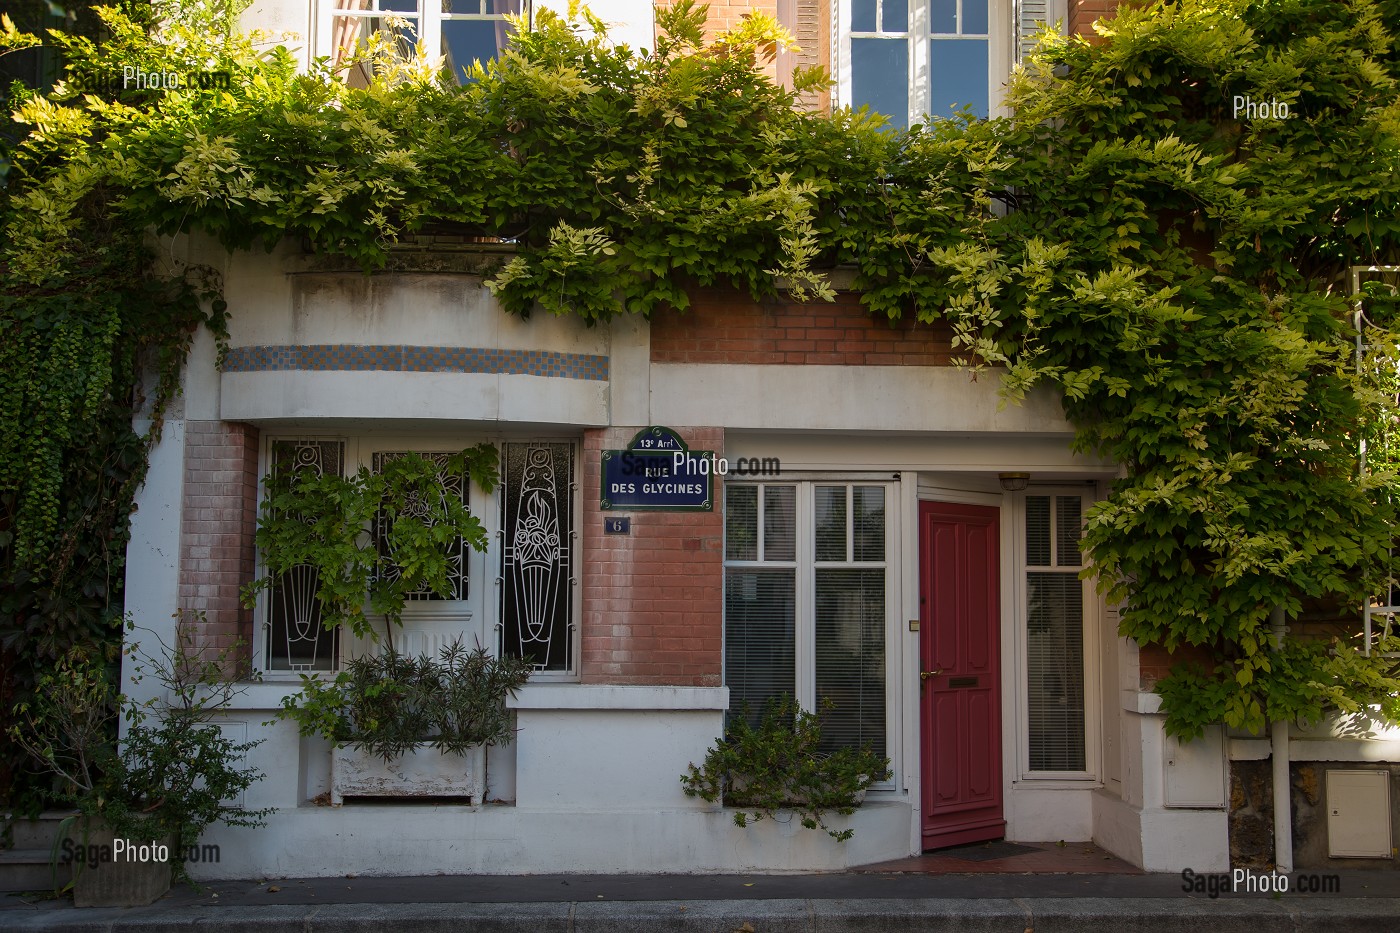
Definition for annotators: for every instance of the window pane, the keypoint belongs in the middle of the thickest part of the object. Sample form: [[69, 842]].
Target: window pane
[[831, 526], [780, 523], [296, 639], [1038, 531], [467, 40], [759, 638], [399, 6], [741, 523], [537, 553], [449, 484], [880, 77], [957, 76], [850, 650], [1055, 671], [943, 16], [863, 15], [460, 7], [974, 17], [1067, 530], [869, 523], [896, 16], [349, 33]]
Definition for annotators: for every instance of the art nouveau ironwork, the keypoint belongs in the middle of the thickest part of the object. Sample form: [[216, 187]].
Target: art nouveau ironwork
[[537, 554]]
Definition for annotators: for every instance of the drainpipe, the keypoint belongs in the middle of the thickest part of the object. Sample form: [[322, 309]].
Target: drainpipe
[[1283, 794]]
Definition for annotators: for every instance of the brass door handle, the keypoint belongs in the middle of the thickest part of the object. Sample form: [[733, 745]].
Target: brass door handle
[[925, 675]]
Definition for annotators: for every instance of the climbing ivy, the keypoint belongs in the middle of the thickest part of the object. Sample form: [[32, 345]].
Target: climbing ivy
[[1178, 272]]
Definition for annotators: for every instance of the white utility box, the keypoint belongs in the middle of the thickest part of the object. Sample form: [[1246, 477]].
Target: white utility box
[[1358, 814]]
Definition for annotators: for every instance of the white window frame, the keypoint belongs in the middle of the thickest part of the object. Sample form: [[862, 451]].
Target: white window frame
[[1093, 618], [804, 627], [479, 615], [1002, 33], [429, 17]]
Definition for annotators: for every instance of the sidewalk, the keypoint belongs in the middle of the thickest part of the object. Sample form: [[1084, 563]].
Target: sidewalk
[[870, 900]]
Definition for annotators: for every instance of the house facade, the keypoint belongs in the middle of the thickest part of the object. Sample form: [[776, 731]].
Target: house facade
[[838, 513]]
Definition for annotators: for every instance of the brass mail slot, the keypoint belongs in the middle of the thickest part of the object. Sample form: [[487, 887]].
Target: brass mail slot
[[962, 681]]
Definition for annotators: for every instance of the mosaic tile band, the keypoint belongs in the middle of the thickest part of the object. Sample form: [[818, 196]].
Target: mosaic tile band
[[405, 359]]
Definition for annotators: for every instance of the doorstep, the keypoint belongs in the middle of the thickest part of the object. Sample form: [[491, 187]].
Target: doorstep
[[1011, 858]]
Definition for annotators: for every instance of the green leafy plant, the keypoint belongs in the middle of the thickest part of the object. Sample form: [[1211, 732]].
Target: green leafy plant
[[779, 765], [388, 704], [323, 521], [174, 772]]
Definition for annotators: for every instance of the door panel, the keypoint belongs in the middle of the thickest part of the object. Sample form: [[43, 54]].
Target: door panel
[[960, 694]]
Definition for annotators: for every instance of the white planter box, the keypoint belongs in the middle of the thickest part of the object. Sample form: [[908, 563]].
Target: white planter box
[[423, 772]]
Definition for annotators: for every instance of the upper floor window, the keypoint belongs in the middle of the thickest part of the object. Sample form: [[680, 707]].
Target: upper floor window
[[461, 31], [909, 58]]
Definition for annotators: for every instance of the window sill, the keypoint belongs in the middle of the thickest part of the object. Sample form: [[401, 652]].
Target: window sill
[[556, 696]]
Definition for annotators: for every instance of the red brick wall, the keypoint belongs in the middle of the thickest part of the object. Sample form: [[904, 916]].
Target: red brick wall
[[723, 326], [1155, 662], [1082, 14], [725, 15], [652, 600], [218, 519]]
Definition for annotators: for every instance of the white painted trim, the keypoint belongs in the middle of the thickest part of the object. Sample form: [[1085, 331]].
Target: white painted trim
[[960, 497], [1142, 701], [784, 398], [543, 696], [909, 774], [1357, 750]]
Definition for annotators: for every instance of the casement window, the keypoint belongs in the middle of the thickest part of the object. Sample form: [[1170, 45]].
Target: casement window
[[807, 597], [461, 31], [911, 58], [517, 597], [1055, 619]]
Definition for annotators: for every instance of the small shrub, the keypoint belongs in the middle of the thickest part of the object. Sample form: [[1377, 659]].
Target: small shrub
[[388, 703], [779, 766]]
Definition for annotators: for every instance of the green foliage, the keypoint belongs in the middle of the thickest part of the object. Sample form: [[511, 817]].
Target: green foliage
[[173, 770], [389, 703], [322, 521], [1307, 680], [779, 765], [1178, 274]]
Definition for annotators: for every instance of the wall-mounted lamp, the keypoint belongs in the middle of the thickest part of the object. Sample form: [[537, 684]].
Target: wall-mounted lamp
[[1014, 482]]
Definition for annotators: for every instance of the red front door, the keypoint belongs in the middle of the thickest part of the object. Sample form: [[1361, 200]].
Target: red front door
[[959, 693]]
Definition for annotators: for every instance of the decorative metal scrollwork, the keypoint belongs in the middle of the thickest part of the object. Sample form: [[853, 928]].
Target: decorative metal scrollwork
[[537, 558]]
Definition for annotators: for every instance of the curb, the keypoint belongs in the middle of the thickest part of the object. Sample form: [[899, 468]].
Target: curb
[[953, 915]]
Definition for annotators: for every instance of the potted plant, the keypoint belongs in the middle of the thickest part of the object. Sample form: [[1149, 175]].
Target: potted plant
[[779, 765], [406, 726], [400, 725], [144, 801]]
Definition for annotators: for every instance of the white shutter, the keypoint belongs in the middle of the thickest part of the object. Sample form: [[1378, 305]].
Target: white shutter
[[1030, 16]]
